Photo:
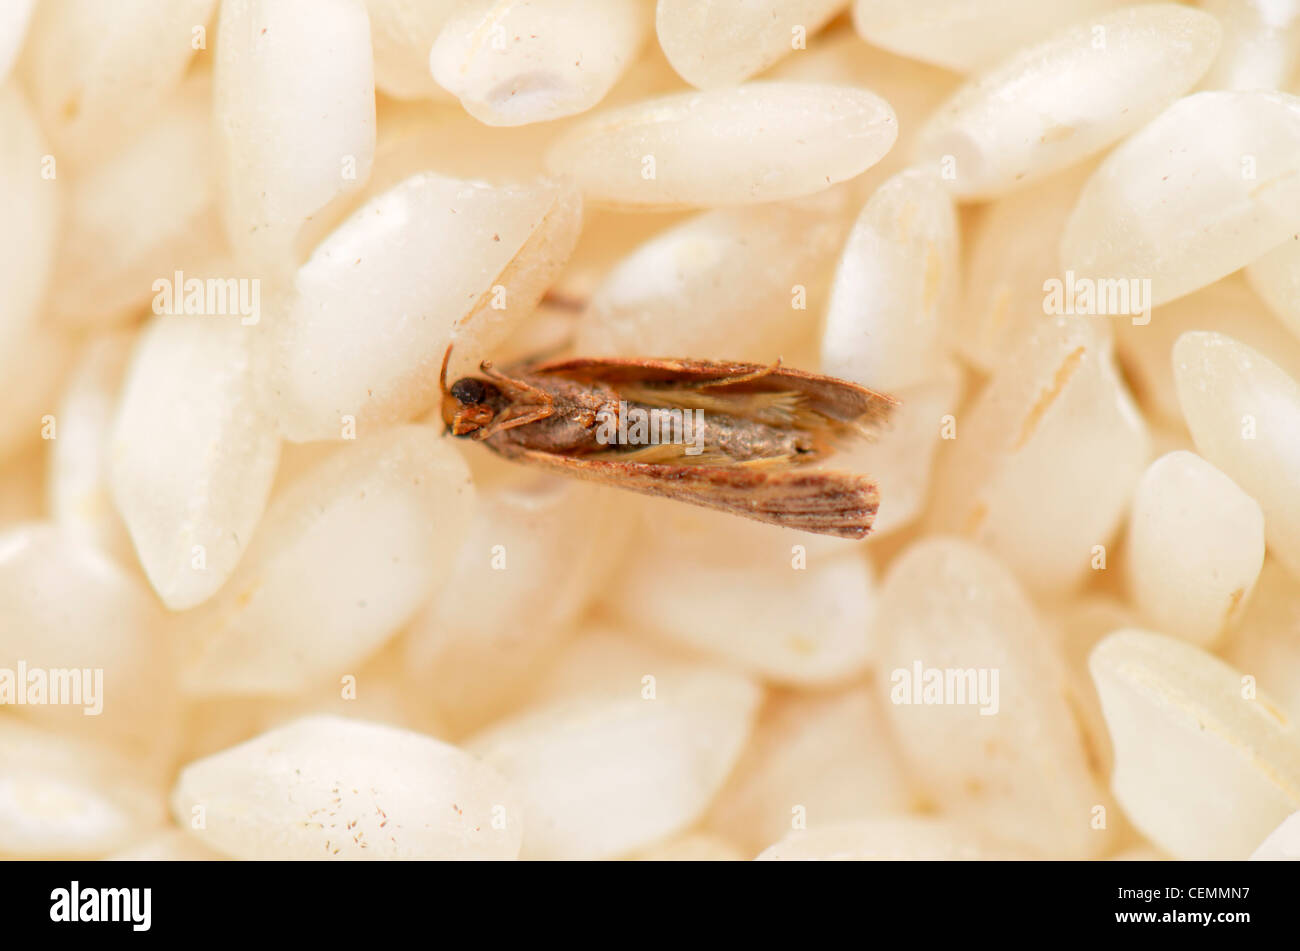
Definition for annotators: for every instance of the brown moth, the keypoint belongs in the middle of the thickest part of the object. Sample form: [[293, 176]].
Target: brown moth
[[738, 434]]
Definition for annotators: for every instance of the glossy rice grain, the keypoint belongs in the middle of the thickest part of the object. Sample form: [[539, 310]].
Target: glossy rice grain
[[431, 260], [1058, 102], [143, 214], [1042, 464], [963, 36], [325, 788], [1276, 279], [728, 284], [63, 797], [95, 80], [190, 468], [721, 44], [1016, 750], [520, 61], [1261, 44], [569, 760], [895, 286], [1011, 248], [1192, 576], [1283, 843], [69, 608], [1261, 642], [281, 160], [536, 555], [759, 142], [814, 761], [344, 556], [1183, 208], [1191, 733], [402, 32], [748, 604], [78, 492], [1244, 414], [1226, 307]]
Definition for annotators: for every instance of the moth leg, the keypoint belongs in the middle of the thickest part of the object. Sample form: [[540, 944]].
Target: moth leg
[[492, 373], [515, 416]]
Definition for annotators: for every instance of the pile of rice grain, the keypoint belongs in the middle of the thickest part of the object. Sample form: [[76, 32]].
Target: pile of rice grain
[[278, 613]]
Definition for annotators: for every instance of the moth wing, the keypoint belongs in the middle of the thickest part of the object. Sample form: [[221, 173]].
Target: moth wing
[[836, 399], [641, 369], [828, 503]]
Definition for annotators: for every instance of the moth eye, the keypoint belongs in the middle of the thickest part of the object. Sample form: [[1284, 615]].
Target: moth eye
[[469, 391]]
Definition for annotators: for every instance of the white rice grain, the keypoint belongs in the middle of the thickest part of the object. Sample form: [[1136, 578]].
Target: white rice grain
[[1060, 101], [327, 788], [191, 469], [1191, 734], [376, 305], [514, 63], [724, 43], [609, 772], [343, 558], [1244, 414], [1182, 207], [763, 141]]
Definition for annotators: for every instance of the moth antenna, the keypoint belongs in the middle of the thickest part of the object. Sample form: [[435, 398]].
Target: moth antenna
[[442, 377]]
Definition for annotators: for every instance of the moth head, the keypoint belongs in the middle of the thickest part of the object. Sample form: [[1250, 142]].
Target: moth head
[[472, 405]]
